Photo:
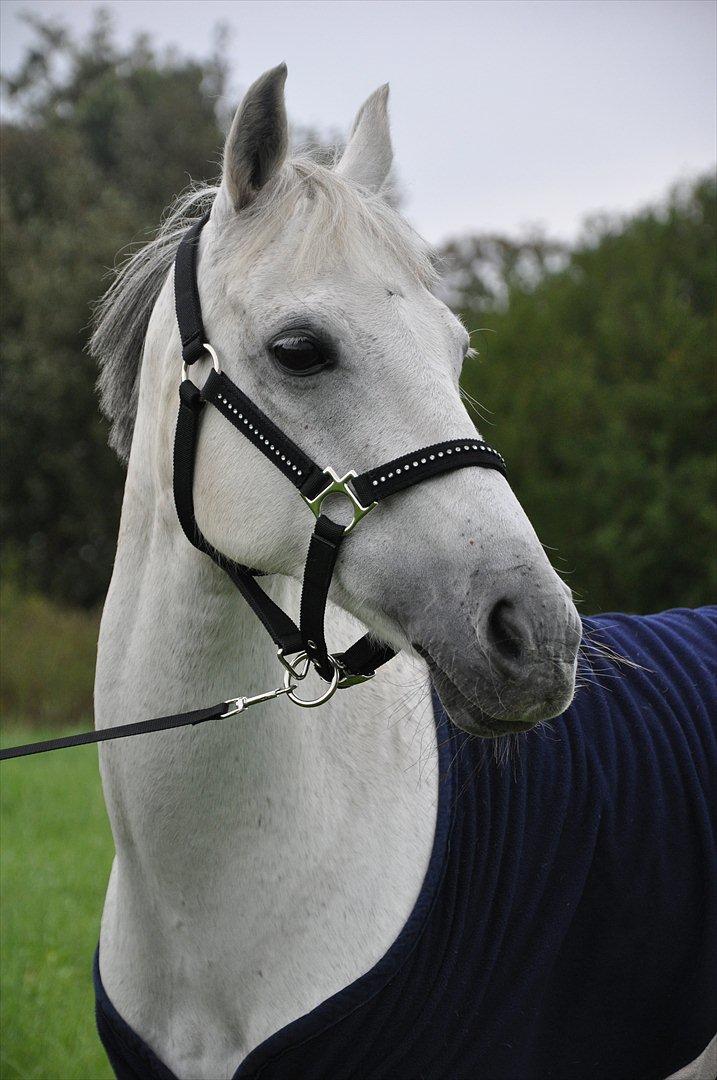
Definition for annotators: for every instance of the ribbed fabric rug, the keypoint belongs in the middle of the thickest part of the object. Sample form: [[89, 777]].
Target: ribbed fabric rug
[[567, 925]]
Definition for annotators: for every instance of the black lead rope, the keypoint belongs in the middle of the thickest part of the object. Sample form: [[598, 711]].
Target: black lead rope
[[122, 731], [313, 483]]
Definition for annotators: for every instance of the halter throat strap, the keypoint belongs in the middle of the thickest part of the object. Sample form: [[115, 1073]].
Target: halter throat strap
[[314, 484]]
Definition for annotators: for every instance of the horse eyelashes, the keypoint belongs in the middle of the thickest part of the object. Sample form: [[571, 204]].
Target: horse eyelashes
[[300, 355]]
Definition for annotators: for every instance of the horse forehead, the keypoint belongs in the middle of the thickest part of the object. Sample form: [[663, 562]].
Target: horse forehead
[[378, 292], [347, 305], [366, 291], [329, 274], [327, 266]]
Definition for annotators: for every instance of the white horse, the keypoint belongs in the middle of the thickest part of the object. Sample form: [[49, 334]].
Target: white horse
[[266, 862]]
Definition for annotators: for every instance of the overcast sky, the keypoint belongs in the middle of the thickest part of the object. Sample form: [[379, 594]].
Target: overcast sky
[[504, 113]]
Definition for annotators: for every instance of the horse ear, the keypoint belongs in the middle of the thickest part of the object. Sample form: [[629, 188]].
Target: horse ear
[[257, 142], [368, 155]]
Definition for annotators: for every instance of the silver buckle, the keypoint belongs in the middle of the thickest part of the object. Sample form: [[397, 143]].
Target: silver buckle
[[300, 666], [347, 679], [340, 485], [299, 669]]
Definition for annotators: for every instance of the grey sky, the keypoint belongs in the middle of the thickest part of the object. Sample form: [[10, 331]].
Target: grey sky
[[504, 113]]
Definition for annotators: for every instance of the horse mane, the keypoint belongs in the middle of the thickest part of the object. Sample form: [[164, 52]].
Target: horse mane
[[121, 317], [338, 217]]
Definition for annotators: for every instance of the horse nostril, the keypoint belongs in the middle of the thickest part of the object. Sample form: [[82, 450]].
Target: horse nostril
[[504, 633]]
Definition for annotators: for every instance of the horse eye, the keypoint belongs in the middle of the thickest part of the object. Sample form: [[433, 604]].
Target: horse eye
[[300, 355]]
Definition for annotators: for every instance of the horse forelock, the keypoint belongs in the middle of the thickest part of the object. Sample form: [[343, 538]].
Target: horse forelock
[[339, 219]]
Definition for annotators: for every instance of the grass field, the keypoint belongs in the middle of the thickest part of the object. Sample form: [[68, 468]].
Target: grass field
[[56, 688], [56, 854]]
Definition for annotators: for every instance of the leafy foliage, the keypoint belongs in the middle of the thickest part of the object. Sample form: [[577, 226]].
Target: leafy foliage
[[99, 141], [600, 376]]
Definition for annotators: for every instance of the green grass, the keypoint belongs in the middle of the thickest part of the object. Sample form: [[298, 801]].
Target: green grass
[[56, 855], [48, 658]]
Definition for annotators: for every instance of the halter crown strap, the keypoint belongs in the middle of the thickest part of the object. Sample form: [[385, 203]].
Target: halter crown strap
[[186, 294]]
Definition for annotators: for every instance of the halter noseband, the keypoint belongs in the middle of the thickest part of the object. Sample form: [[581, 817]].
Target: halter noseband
[[306, 642]]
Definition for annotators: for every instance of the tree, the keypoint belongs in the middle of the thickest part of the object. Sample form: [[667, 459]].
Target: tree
[[599, 374], [98, 141]]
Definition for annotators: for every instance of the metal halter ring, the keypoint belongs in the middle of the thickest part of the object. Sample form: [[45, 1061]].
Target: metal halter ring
[[290, 686], [215, 361], [299, 668], [340, 485]]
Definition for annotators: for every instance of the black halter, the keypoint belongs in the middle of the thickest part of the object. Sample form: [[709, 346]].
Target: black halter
[[298, 647], [314, 484]]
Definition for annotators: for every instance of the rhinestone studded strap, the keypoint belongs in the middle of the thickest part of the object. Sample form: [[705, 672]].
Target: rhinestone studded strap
[[367, 654], [232, 403], [410, 469], [284, 632]]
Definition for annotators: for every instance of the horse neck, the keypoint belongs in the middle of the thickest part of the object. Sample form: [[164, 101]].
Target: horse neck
[[176, 635]]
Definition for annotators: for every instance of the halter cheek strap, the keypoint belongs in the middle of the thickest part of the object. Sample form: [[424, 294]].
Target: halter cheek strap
[[314, 484]]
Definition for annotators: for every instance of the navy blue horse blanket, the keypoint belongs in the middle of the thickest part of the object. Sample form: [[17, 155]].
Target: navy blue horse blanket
[[567, 925]]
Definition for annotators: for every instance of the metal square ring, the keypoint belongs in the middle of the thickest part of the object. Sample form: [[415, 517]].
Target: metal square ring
[[340, 485]]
